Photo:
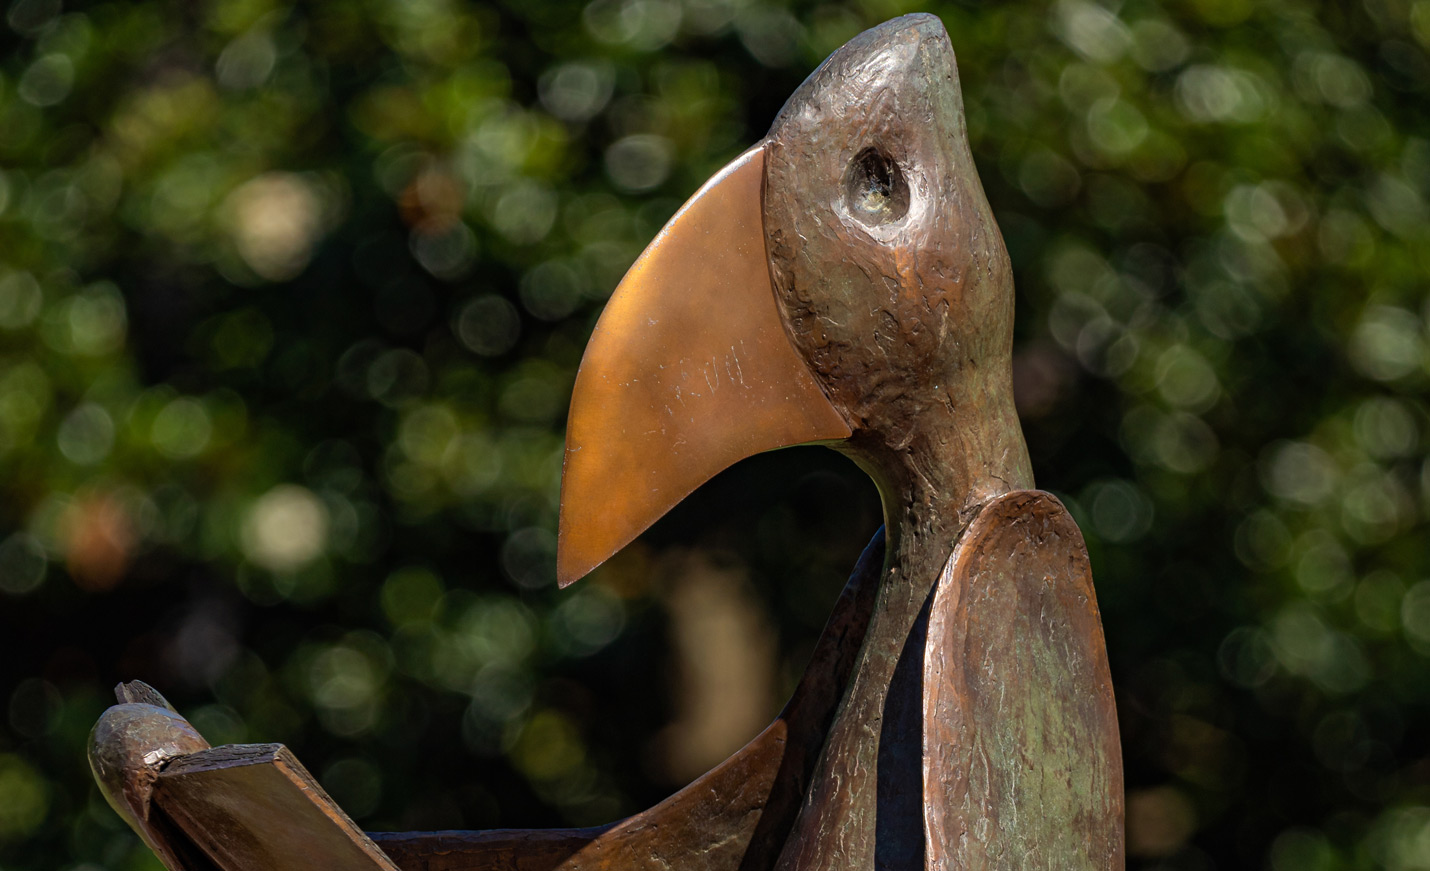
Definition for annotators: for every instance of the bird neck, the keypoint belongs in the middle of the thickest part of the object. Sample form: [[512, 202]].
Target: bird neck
[[937, 457], [933, 474]]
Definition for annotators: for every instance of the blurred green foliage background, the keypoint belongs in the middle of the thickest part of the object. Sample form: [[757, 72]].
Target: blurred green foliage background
[[291, 299]]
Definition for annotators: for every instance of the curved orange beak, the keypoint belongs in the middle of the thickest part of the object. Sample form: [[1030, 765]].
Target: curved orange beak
[[688, 371]]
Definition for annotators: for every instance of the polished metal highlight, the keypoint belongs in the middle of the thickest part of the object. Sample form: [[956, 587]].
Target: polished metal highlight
[[690, 369]]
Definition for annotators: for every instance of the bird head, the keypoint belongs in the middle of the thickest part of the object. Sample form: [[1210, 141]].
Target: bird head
[[842, 282]]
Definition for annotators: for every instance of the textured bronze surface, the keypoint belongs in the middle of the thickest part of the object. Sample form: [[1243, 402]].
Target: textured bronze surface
[[231, 808], [688, 371], [127, 749], [895, 283], [905, 314], [251, 807], [491, 850], [1020, 728]]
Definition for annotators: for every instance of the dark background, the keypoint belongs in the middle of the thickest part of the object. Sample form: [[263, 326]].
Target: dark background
[[291, 298]]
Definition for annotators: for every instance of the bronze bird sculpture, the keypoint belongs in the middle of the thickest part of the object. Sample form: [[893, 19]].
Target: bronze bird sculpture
[[842, 282]]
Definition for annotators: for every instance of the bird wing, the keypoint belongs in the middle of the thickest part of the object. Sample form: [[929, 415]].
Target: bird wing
[[1022, 761]]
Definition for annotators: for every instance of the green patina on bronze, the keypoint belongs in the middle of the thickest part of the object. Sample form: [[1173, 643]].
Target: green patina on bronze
[[1034, 769]]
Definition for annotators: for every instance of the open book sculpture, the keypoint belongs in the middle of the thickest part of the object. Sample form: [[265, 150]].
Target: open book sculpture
[[841, 282]]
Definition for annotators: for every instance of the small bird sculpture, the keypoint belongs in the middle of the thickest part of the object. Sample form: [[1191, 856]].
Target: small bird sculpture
[[843, 282]]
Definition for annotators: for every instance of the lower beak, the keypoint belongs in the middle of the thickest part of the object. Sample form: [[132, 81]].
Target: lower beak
[[688, 371]]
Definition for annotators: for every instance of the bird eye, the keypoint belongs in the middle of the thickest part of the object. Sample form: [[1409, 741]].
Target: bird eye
[[875, 191]]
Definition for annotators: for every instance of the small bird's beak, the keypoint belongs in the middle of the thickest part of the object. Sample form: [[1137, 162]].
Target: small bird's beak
[[688, 371]]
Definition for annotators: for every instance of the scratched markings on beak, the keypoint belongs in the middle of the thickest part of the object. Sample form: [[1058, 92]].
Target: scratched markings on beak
[[688, 371]]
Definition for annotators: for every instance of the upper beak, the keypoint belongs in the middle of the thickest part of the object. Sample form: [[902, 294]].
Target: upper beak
[[688, 371]]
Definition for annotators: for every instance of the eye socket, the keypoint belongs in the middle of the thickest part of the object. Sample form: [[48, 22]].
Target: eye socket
[[875, 191]]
